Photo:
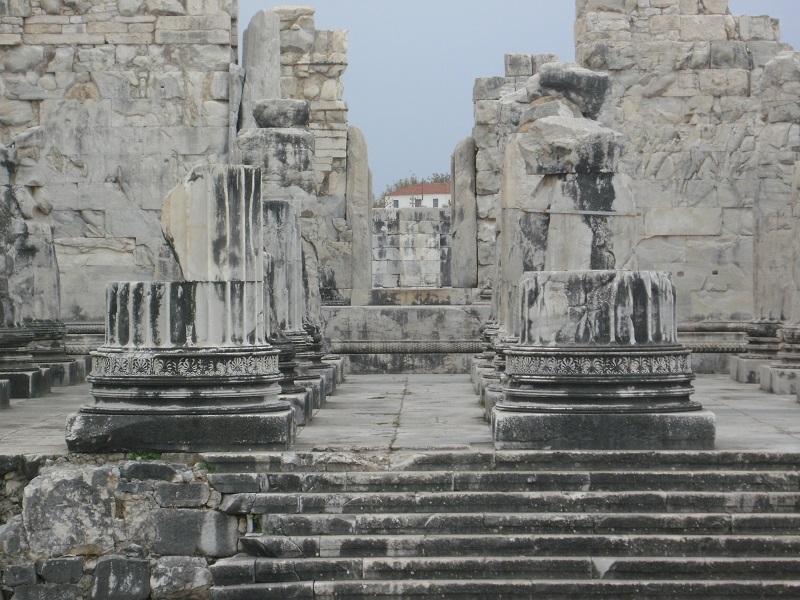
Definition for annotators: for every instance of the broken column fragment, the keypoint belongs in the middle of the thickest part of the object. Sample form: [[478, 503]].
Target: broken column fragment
[[186, 365], [283, 148], [588, 344]]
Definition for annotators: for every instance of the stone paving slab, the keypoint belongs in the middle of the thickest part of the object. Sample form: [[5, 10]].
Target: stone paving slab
[[441, 412]]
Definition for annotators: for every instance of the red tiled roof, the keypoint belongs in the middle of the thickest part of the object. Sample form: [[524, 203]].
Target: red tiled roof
[[422, 188]]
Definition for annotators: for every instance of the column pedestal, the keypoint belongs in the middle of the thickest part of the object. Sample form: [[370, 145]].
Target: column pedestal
[[763, 345], [598, 367]]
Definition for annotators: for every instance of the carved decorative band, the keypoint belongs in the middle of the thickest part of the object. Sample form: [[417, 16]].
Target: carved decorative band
[[727, 348], [664, 364], [408, 347], [86, 328], [132, 365]]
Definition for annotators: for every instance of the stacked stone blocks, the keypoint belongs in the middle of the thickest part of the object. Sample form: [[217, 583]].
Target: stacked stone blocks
[[411, 248], [108, 105]]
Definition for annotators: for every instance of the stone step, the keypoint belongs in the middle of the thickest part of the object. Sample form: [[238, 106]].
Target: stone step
[[566, 545], [490, 460], [529, 523], [244, 570], [429, 502], [505, 481], [541, 590]]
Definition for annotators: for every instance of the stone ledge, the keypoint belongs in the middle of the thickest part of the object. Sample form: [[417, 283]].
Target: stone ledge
[[180, 433], [655, 431]]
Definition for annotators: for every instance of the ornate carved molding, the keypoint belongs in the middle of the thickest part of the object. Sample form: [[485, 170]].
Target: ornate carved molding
[[408, 347], [140, 365], [678, 363]]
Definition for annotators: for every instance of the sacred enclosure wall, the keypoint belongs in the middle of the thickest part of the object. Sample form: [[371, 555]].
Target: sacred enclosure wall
[[231, 206]]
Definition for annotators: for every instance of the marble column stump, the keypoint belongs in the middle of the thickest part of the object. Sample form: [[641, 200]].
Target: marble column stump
[[49, 351], [25, 379], [598, 366], [186, 365], [763, 345]]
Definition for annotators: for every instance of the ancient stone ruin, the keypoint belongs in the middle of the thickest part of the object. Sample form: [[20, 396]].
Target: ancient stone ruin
[[194, 234]]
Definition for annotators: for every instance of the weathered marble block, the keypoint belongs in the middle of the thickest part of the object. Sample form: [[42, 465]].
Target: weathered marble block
[[598, 366], [213, 222]]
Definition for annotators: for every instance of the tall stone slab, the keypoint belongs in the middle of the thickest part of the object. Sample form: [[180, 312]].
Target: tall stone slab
[[464, 255], [359, 207], [261, 59], [186, 365]]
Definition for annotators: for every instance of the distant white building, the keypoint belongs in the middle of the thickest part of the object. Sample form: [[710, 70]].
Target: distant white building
[[428, 195]]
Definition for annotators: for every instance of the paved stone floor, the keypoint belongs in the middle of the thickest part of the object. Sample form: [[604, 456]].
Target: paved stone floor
[[424, 411]]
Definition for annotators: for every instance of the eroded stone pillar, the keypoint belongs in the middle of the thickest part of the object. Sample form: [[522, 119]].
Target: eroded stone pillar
[[359, 208], [186, 365], [261, 59], [464, 257]]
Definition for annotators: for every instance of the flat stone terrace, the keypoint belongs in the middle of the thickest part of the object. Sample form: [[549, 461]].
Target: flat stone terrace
[[414, 412]]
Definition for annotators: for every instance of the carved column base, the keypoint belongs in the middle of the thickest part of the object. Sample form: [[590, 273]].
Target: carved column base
[[188, 400], [339, 365], [48, 351], [763, 344], [598, 367], [315, 385], [781, 377], [26, 380]]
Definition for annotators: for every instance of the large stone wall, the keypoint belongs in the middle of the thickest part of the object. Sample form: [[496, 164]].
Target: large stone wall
[[108, 105], [133, 529], [687, 86]]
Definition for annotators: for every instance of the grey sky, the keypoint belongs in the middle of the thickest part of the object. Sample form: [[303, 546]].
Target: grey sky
[[413, 64]]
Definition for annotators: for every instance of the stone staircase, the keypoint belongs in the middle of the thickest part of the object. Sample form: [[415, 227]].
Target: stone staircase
[[552, 525]]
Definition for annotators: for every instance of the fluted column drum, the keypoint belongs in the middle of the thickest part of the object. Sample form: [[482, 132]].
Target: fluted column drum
[[176, 346]]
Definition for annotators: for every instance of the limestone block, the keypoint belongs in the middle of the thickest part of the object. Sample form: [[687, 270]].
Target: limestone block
[[759, 28], [683, 221], [217, 207], [281, 113], [174, 577], [489, 88], [566, 145], [703, 28], [70, 511], [284, 155], [587, 89], [165, 7], [15, 112], [613, 6], [519, 65], [120, 578], [186, 532], [730, 55]]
